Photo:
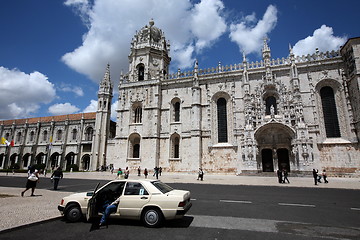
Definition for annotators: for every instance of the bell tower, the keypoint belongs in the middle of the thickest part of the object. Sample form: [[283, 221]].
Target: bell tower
[[102, 122], [149, 54]]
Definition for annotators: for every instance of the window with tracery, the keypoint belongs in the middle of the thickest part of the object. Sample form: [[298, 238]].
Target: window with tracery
[[18, 137], [330, 112], [74, 134], [32, 135], [141, 72], [177, 111], [138, 114], [89, 134], [59, 134], [222, 120], [45, 136], [175, 146]]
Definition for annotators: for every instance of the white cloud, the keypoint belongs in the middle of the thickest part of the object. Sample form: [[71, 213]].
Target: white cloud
[[68, 88], [206, 23], [22, 94], [92, 107], [62, 108], [249, 38], [113, 23], [323, 38]]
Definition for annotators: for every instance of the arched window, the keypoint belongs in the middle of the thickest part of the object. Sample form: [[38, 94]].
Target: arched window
[[32, 135], [138, 114], [89, 134], [175, 146], [177, 111], [74, 134], [18, 137], [45, 136], [136, 152], [330, 112], [141, 72], [59, 134], [270, 101], [222, 120], [134, 146]]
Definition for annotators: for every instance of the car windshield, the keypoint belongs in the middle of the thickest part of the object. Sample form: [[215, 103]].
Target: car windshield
[[164, 188]]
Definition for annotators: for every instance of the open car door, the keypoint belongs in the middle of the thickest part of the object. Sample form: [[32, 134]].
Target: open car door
[[107, 194], [92, 210]]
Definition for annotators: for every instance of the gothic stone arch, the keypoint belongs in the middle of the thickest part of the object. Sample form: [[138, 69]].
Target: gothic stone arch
[[274, 144]]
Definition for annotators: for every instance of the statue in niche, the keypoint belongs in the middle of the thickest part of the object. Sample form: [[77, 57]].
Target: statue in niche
[[272, 110]]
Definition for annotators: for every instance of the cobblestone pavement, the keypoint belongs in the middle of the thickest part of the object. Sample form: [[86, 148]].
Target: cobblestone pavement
[[17, 211]]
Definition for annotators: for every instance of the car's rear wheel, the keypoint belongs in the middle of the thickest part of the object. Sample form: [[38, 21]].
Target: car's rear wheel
[[73, 213], [152, 217]]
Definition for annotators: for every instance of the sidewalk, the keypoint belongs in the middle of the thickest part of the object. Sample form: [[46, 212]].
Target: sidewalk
[[18, 211]]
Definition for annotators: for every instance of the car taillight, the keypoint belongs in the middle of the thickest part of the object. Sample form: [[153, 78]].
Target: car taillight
[[182, 204], [62, 202]]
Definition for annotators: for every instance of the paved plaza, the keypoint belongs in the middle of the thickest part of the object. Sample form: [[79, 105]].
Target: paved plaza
[[18, 211]]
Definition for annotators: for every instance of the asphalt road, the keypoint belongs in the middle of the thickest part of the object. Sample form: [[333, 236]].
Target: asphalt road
[[221, 212]]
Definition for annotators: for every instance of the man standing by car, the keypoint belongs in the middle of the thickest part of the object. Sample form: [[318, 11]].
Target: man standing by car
[[56, 176]]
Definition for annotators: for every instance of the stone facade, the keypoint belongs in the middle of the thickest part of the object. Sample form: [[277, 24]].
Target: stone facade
[[52, 141], [298, 113]]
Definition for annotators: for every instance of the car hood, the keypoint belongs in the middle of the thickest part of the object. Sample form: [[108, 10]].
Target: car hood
[[77, 195]]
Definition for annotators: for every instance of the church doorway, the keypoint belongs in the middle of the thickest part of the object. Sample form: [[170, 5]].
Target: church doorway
[[86, 162], [267, 160], [283, 159], [274, 141]]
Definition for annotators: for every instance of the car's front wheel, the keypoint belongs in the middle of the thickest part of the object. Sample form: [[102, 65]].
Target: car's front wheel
[[73, 213], [152, 217]]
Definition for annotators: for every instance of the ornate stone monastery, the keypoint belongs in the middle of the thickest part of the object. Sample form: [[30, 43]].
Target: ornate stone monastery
[[297, 113]]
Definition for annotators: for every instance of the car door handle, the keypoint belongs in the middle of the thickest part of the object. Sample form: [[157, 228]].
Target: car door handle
[[144, 198]]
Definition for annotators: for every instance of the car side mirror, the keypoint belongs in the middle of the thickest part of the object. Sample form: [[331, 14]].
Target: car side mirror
[[89, 194]]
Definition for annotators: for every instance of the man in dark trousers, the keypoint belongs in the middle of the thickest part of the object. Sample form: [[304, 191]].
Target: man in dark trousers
[[56, 176], [279, 175]]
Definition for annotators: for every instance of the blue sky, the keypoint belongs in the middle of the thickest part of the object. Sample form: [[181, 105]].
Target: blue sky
[[54, 53]]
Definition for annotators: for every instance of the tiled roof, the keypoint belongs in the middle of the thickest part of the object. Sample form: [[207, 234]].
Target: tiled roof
[[60, 118]]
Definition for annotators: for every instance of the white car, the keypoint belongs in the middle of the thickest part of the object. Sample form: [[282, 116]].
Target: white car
[[151, 201]]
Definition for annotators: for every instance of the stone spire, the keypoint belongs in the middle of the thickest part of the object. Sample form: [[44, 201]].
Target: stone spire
[[293, 70], [245, 72], [266, 53], [267, 60], [196, 74], [106, 84]]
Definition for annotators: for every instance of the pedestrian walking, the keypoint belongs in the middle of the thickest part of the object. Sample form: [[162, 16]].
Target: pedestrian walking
[[156, 172], [279, 175], [160, 170], [127, 172], [56, 176], [120, 174], [32, 180], [146, 172], [200, 174], [315, 175], [324, 176], [139, 171], [285, 173]]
